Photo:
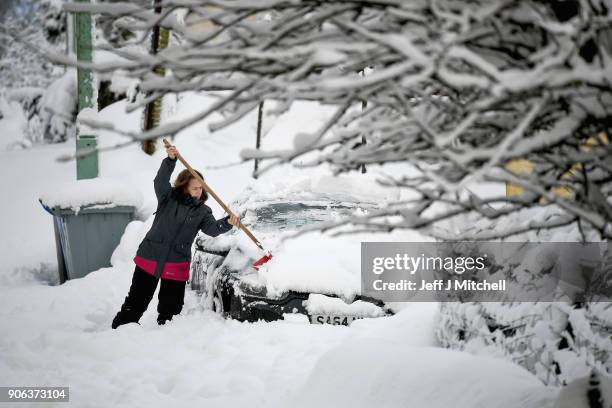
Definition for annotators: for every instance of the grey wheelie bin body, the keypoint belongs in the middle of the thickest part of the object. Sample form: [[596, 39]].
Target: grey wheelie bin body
[[85, 240]]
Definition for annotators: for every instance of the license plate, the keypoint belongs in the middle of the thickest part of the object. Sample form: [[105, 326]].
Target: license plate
[[333, 320]]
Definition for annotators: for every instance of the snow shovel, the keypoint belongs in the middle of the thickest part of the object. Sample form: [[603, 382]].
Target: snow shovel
[[210, 191]]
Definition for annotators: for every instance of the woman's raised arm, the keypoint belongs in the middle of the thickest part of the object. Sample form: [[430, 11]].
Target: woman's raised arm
[[161, 182]]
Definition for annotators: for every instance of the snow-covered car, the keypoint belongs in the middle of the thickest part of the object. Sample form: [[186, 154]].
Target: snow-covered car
[[312, 274]]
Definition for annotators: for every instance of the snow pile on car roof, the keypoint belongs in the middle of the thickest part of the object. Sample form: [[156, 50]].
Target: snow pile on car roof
[[322, 186], [98, 191]]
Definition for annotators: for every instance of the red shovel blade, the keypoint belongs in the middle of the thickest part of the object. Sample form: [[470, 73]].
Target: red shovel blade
[[262, 261]]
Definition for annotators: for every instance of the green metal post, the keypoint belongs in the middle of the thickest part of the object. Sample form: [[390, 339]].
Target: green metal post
[[87, 166]]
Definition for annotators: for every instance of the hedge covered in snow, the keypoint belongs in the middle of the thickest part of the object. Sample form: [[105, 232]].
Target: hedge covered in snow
[[557, 341]]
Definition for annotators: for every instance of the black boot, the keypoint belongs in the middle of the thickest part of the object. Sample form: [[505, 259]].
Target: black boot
[[125, 316], [163, 318]]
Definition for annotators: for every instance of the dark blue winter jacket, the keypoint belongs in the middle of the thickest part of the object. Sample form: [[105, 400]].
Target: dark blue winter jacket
[[178, 219]]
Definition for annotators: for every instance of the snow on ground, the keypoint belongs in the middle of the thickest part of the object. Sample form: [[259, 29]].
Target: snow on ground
[[382, 373], [60, 335]]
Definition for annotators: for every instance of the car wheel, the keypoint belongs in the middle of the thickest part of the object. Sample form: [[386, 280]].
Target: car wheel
[[217, 305]]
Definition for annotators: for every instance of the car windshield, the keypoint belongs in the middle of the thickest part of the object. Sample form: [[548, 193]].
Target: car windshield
[[276, 216]]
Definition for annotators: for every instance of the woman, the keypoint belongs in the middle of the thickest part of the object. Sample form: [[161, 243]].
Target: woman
[[165, 252]]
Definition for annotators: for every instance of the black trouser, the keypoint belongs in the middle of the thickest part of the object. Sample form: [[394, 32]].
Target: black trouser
[[171, 295]]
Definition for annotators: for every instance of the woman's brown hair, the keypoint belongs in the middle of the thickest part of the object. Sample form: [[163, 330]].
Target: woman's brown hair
[[182, 180]]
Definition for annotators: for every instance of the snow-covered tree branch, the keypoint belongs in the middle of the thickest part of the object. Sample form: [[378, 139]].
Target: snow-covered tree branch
[[458, 89], [37, 98]]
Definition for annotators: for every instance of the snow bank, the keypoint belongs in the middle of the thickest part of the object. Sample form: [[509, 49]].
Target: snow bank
[[130, 240], [379, 373], [98, 191]]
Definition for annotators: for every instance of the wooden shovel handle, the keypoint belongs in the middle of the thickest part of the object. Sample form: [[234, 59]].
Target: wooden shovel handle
[[214, 195]]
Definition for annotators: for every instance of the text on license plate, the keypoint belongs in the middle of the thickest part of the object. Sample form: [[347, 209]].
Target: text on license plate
[[334, 320]]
